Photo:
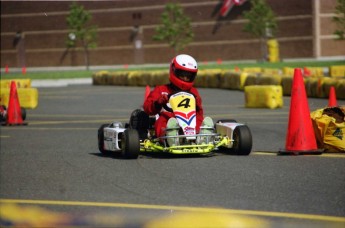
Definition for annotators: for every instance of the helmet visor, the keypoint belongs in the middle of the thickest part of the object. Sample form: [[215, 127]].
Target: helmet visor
[[184, 75]]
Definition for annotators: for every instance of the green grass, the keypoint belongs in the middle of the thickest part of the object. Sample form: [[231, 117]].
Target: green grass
[[88, 74]]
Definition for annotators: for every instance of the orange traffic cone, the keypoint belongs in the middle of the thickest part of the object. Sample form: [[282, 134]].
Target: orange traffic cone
[[332, 100], [306, 72], [300, 137], [24, 70], [14, 113]]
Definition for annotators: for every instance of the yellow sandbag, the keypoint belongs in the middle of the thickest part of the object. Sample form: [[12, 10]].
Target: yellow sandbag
[[28, 97], [329, 130], [263, 96], [20, 83]]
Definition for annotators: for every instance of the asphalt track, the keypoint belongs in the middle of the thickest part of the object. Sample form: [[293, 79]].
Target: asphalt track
[[53, 164]]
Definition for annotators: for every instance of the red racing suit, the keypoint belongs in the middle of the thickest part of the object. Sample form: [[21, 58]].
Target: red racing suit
[[151, 108]]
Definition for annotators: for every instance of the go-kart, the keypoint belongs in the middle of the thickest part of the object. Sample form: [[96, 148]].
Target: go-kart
[[138, 135]]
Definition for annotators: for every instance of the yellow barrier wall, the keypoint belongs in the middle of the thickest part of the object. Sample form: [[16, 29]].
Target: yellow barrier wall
[[28, 97]]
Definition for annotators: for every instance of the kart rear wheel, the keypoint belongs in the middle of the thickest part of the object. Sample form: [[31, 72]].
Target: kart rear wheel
[[130, 144], [101, 140], [242, 140]]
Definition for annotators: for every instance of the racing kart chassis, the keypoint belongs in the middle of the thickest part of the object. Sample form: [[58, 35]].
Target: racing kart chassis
[[136, 137], [180, 136]]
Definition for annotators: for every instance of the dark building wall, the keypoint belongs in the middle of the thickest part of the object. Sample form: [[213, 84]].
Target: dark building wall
[[45, 30]]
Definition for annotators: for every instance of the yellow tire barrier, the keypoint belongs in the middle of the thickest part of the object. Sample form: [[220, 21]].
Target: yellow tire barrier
[[269, 80], [253, 70], [28, 97], [337, 71], [288, 71], [316, 84], [251, 79], [313, 71], [263, 96], [159, 78], [233, 80], [271, 71], [20, 83], [339, 89]]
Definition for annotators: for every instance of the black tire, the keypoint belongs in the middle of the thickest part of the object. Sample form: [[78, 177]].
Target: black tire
[[242, 140], [101, 140], [140, 121], [130, 143], [23, 111]]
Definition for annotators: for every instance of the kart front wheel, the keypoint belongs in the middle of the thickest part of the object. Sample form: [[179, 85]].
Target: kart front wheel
[[242, 140], [130, 144]]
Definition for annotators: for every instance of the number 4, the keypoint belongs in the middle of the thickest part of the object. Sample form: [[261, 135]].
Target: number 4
[[184, 103]]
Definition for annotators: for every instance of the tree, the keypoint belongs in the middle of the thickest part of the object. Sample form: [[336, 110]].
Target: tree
[[261, 23], [176, 28], [80, 31], [340, 19]]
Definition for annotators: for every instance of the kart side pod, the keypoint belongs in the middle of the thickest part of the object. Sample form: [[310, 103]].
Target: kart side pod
[[112, 136]]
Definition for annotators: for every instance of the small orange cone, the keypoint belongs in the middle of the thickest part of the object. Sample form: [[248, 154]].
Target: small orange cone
[[14, 113], [23, 70], [332, 100], [147, 92], [306, 72], [300, 137]]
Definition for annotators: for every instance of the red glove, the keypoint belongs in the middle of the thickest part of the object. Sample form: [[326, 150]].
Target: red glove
[[163, 99]]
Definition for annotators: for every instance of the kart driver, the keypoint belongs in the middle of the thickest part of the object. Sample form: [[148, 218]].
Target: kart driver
[[183, 70]]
